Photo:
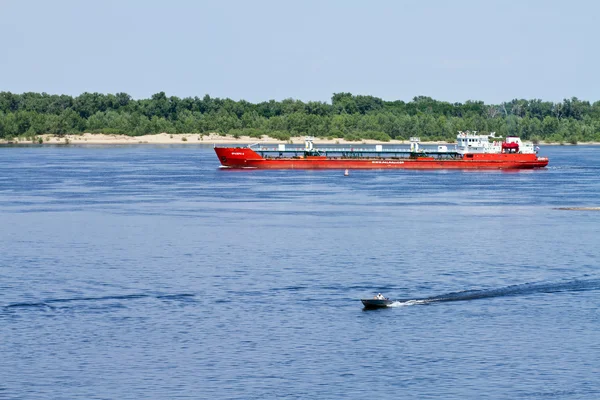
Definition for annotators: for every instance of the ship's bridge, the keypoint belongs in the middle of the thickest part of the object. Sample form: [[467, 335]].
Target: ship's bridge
[[468, 142]]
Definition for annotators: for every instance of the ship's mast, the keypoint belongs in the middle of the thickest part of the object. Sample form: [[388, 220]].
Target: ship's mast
[[414, 144], [309, 148], [308, 143]]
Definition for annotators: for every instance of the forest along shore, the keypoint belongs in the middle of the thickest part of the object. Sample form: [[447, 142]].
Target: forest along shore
[[355, 118], [195, 138]]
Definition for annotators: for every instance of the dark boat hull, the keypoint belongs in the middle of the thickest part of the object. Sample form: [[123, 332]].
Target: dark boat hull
[[376, 303]]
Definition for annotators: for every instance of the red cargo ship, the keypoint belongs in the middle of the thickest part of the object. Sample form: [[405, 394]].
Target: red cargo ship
[[472, 151]]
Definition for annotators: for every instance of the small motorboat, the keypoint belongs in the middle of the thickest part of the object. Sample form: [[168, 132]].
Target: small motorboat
[[377, 302]]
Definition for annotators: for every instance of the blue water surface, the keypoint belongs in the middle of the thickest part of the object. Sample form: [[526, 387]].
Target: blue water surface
[[146, 272]]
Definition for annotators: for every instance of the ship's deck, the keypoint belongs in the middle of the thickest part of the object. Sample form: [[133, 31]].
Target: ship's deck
[[352, 152]]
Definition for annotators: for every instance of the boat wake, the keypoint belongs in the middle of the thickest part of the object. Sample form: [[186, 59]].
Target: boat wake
[[513, 290], [65, 302]]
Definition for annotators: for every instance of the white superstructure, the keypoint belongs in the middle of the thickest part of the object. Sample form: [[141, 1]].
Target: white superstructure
[[523, 147], [468, 142]]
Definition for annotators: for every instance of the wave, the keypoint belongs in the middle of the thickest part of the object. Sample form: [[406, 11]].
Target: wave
[[513, 290], [54, 303]]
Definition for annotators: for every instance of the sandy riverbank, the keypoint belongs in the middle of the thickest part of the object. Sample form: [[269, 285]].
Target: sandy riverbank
[[183, 138], [194, 138]]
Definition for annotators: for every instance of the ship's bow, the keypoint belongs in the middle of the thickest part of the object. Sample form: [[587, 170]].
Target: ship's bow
[[232, 157]]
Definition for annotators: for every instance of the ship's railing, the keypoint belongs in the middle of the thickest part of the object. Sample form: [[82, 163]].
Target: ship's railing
[[337, 152], [333, 149]]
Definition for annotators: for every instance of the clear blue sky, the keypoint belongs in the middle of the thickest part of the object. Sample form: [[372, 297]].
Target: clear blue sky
[[259, 50]]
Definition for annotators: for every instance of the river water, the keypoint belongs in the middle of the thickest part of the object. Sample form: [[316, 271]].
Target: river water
[[146, 272]]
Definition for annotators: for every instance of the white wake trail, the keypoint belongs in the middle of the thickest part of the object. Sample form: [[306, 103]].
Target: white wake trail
[[408, 303]]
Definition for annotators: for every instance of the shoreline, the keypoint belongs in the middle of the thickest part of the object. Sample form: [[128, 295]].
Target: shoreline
[[213, 138]]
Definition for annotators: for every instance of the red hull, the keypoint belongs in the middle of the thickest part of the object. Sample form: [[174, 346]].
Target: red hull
[[248, 158]]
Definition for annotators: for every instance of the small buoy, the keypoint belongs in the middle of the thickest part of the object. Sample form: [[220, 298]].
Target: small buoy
[[346, 173]]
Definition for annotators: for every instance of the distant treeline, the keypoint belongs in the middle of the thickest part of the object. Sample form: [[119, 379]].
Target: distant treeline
[[348, 116]]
